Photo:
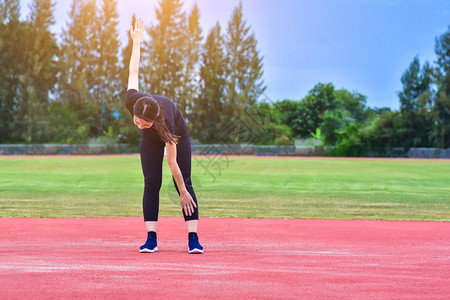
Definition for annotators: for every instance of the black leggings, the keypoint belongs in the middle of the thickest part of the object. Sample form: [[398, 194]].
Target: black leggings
[[152, 154]]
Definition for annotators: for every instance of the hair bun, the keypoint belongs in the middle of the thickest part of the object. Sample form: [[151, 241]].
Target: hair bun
[[146, 108]]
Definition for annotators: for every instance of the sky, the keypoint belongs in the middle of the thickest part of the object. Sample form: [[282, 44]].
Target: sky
[[360, 45]]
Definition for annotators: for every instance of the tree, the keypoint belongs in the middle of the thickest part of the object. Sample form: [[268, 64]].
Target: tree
[[385, 133], [12, 67], [320, 99], [415, 105], [354, 103], [285, 113], [9, 10], [441, 107], [107, 79], [273, 130], [244, 71], [41, 71], [351, 141], [207, 118], [77, 81], [288, 110], [333, 123], [342, 125], [189, 89], [328, 110], [163, 55]]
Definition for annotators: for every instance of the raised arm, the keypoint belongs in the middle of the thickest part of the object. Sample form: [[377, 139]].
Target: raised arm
[[136, 34]]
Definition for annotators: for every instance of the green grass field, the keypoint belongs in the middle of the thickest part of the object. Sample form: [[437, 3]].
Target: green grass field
[[102, 186]]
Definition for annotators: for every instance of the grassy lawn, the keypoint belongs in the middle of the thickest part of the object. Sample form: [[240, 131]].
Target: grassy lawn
[[101, 186]]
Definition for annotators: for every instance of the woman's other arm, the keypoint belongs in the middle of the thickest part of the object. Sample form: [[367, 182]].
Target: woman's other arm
[[187, 203]]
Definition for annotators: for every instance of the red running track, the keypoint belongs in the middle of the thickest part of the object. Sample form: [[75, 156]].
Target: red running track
[[251, 258]]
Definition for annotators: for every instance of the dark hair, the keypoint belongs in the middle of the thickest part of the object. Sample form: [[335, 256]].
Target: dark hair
[[147, 108]]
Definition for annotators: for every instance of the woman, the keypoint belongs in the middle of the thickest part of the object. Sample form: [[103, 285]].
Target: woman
[[162, 126]]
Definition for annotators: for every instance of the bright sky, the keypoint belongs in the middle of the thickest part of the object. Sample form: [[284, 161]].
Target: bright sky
[[361, 45]]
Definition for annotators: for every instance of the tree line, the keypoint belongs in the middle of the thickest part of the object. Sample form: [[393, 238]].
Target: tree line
[[341, 118], [70, 88]]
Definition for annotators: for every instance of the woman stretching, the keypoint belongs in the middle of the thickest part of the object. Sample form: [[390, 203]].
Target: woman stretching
[[162, 126]]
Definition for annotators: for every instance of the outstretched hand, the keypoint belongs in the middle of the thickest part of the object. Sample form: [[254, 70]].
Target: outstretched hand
[[187, 203], [137, 33]]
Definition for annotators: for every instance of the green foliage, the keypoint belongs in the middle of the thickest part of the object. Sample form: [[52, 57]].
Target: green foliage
[[354, 129], [350, 142], [318, 134], [28, 71], [415, 105], [244, 83], [12, 71], [385, 133], [66, 127], [230, 85], [77, 77], [73, 90], [109, 133], [424, 117], [332, 123], [88, 82], [320, 99], [325, 113], [208, 113], [354, 104], [345, 121], [190, 87], [9, 10], [107, 85], [441, 108], [288, 114], [271, 131], [40, 77], [163, 54]]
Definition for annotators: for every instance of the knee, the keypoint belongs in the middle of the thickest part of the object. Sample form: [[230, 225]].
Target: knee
[[152, 182]]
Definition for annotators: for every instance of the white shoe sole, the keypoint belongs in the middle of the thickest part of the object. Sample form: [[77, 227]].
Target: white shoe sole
[[195, 251], [146, 250]]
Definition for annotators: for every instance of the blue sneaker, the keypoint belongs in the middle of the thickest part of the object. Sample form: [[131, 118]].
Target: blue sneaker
[[150, 245], [194, 245]]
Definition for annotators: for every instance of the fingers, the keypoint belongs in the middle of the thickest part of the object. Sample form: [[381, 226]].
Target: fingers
[[188, 210], [139, 24], [188, 207]]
